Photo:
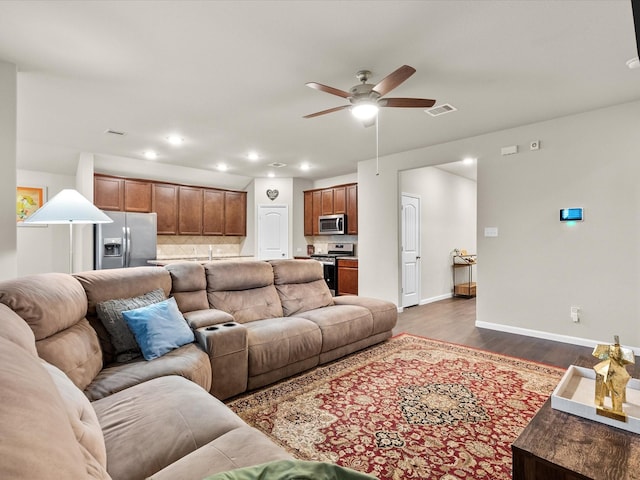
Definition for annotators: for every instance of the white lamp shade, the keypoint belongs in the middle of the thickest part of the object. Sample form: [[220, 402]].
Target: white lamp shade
[[68, 206]]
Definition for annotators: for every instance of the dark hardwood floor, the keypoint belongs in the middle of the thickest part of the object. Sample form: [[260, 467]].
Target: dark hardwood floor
[[453, 320]]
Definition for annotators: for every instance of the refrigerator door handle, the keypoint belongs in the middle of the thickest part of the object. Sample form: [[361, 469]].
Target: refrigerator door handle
[[128, 247], [124, 247]]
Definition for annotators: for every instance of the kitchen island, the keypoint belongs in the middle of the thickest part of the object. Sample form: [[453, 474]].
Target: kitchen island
[[202, 260]]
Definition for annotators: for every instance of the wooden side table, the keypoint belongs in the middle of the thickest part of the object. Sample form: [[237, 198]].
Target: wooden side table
[[560, 446]]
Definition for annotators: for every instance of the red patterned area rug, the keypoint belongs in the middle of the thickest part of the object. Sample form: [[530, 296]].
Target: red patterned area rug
[[408, 408]]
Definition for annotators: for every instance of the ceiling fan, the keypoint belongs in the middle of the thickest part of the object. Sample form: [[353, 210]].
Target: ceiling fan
[[365, 99]]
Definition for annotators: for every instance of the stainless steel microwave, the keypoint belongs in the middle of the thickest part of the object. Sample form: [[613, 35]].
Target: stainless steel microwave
[[332, 224]]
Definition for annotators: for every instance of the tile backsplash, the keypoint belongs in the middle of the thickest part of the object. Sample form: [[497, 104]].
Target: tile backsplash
[[184, 246]]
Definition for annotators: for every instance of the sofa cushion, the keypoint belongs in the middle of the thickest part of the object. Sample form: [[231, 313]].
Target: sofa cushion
[[15, 329], [101, 285], [277, 342], [300, 285], [188, 361], [155, 423], [239, 447], [384, 313], [48, 302], [83, 420], [54, 306], [110, 314], [37, 440], [341, 324], [188, 286], [158, 328], [243, 289]]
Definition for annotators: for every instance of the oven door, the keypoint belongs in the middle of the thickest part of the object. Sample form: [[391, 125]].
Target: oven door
[[331, 277]]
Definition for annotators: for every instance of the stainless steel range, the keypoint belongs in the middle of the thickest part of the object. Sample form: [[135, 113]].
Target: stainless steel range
[[328, 260]]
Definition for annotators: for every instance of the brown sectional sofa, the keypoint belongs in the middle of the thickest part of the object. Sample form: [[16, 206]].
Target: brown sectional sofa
[[254, 323]]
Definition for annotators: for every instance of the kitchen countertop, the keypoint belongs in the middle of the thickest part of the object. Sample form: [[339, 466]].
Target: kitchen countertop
[[202, 260]]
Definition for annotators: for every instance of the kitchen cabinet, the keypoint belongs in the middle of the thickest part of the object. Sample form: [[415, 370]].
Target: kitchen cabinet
[[352, 208], [329, 201], [108, 193], [180, 209], [317, 211], [213, 214], [137, 196], [308, 214], [164, 202], [235, 213], [190, 210], [347, 276], [340, 199]]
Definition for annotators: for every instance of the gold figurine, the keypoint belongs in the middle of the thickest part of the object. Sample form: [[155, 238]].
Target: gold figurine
[[612, 378]]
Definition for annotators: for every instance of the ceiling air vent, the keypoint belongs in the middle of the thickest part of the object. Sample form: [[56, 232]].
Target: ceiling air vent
[[441, 110], [277, 165], [114, 132]]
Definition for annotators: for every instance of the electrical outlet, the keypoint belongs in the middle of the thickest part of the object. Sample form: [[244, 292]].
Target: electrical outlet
[[575, 314]]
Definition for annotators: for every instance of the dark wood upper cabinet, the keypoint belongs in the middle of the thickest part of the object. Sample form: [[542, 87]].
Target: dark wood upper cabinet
[[327, 201], [308, 214], [180, 209], [235, 218], [213, 213], [189, 210], [108, 193], [164, 201], [317, 210], [352, 209], [330, 201], [137, 196], [340, 199]]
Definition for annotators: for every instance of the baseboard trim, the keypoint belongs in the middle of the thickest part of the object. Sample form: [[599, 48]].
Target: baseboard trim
[[424, 301], [435, 299], [584, 342]]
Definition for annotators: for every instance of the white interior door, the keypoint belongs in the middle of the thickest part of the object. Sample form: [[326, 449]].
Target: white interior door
[[273, 231], [410, 225]]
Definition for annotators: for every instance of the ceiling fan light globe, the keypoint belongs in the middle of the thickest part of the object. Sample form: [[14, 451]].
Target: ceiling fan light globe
[[364, 111]]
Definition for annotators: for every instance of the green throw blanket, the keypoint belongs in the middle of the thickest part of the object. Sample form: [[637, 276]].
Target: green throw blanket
[[292, 470]]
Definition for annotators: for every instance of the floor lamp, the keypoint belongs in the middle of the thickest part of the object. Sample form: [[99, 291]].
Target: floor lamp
[[68, 206]]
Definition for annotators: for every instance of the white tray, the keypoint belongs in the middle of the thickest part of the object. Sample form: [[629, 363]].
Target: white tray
[[575, 394]]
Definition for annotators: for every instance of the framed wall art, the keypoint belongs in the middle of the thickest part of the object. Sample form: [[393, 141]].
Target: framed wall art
[[28, 200]]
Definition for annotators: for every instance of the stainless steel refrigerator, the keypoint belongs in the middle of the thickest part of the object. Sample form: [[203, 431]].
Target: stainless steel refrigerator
[[130, 241]]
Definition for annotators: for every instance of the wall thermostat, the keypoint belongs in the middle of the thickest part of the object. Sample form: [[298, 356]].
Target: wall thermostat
[[571, 215]]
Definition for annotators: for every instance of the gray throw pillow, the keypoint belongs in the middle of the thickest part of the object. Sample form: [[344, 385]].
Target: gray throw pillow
[[110, 314]]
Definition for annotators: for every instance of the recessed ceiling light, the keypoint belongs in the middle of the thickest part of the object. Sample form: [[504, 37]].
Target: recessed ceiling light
[[175, 139], [223, 167], [271, 174], [253, 156], [633, 63], [150, 155], [468, 161], [304, 166]]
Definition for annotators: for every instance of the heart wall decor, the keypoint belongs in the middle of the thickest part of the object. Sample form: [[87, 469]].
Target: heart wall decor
[[272, 193]]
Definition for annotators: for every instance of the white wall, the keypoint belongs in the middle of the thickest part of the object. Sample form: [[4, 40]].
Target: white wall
[[333, 181], [536, 268], [8, 240], [448, 221], [43, 248]]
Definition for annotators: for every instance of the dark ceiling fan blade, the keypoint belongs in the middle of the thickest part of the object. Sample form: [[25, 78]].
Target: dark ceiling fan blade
[[406, 102], [323, 112], [394, 79], [331, 90]]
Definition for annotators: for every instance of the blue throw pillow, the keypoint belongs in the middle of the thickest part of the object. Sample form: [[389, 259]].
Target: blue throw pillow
[[158, 328]]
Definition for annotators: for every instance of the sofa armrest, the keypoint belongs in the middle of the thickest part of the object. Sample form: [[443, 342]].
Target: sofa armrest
[[206, 318], [227, 347]]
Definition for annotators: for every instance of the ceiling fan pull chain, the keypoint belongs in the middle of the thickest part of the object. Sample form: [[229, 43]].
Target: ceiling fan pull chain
[[377, 142]]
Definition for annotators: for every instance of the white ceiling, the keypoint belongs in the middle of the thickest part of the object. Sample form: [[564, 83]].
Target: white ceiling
[[230, 77]]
